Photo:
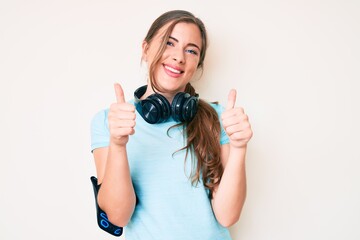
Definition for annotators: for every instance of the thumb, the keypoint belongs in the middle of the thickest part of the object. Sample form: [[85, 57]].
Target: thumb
[[231, 99], [119, 93]]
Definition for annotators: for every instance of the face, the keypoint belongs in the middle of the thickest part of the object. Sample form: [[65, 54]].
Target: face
[[179, 61]]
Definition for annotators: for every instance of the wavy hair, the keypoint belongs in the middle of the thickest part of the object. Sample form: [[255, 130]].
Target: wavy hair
[[203, 132]]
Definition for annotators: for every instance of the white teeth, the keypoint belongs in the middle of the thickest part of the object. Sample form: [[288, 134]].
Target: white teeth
[[172, 69]]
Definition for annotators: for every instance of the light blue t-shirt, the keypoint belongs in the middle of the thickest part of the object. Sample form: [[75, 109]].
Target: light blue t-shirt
[[168, 207]]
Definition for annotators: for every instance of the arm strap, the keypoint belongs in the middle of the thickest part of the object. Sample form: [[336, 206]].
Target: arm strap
[[102, 219]]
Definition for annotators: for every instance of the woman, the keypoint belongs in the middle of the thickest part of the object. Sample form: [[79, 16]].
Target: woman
[[168, 169]]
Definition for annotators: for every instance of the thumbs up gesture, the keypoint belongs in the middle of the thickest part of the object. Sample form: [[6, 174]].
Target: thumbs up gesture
[[236, 123], [121, 118]]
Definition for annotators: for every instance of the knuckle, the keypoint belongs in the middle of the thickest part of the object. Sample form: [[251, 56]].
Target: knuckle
[[251, 133], [132, 123], [113, 106], [111, 122], [128, 131], [225, 123], [240, 109]]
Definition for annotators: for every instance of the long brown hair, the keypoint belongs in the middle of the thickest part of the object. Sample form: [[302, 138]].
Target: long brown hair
[[203, 132]]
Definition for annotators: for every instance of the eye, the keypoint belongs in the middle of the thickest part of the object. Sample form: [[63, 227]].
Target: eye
[[169, 43], [192, 51]]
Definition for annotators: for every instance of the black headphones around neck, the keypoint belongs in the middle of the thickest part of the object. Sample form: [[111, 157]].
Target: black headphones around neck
[[157, 109]]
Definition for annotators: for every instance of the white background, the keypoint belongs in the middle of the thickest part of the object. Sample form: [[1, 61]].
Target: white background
[[295, 65]]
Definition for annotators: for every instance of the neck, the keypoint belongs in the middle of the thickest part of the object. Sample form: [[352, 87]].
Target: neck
[[168, 95]]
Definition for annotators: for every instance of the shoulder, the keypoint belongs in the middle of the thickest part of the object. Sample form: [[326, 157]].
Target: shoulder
[[100, 130], [219, 110], [217, 107], [100, 117]]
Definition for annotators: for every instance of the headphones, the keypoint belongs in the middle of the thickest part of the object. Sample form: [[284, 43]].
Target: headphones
[[157, 109]]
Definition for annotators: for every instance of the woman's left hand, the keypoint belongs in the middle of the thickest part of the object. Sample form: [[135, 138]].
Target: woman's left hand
[[236, 123]]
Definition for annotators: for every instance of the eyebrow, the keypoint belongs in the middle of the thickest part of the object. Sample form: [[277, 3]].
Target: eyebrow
[[190, 44]]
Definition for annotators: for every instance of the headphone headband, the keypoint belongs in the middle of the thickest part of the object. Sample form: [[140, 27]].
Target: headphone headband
[[139, 93]]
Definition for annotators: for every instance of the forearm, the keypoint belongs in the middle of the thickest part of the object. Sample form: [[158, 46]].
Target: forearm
[[230, 196], [116, 195]]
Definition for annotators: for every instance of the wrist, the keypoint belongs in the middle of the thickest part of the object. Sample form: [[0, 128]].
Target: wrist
[[115, 145], [120, 142], [238, 150], [238, 147]]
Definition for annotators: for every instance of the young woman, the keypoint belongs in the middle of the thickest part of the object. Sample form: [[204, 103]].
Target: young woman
[[171, 165]]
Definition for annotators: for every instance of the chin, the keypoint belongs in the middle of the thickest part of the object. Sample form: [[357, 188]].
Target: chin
[[169, 86]]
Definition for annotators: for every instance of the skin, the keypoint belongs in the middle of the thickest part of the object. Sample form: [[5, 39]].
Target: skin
[[176, 68], [182, 54]]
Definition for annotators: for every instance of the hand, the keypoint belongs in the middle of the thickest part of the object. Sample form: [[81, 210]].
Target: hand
[[121, 118], [236, 123]]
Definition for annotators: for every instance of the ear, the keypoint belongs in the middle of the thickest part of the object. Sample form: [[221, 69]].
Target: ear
[[145, 47]]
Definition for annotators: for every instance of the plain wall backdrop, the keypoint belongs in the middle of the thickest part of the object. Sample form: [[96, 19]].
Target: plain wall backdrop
[[295, 65]]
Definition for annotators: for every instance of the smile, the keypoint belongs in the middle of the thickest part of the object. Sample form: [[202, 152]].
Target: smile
[[173, 70]]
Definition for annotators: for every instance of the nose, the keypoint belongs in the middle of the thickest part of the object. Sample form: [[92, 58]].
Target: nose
[[178, 56]]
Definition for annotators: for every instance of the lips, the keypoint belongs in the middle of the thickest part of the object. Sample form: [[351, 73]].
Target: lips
[[173, 70]]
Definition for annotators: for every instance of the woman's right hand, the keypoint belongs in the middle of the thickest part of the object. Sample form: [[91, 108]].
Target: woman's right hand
[[121, 118]]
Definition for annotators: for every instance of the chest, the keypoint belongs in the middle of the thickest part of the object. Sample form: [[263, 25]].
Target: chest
[[156, 160]]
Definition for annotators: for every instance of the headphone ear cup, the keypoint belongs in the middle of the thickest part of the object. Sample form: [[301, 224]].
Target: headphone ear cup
[[155, 109], [150, 110], [176, 106], [164, 105], [189, 108]]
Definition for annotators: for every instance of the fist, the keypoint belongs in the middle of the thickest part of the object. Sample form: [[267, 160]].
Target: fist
[[236, 123], [121, 118]]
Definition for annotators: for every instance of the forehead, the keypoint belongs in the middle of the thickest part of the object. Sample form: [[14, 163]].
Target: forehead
[[184, 32]]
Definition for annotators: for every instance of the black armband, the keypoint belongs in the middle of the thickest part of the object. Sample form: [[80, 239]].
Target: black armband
[[102, 219]]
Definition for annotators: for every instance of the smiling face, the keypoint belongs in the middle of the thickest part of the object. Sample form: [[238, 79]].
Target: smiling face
[[180, 58]]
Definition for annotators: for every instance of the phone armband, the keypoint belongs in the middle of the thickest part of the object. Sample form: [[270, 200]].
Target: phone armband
[[102, 218]]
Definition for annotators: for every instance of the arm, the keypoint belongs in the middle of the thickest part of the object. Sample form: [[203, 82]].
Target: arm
[[116, 196], [229, 196]]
